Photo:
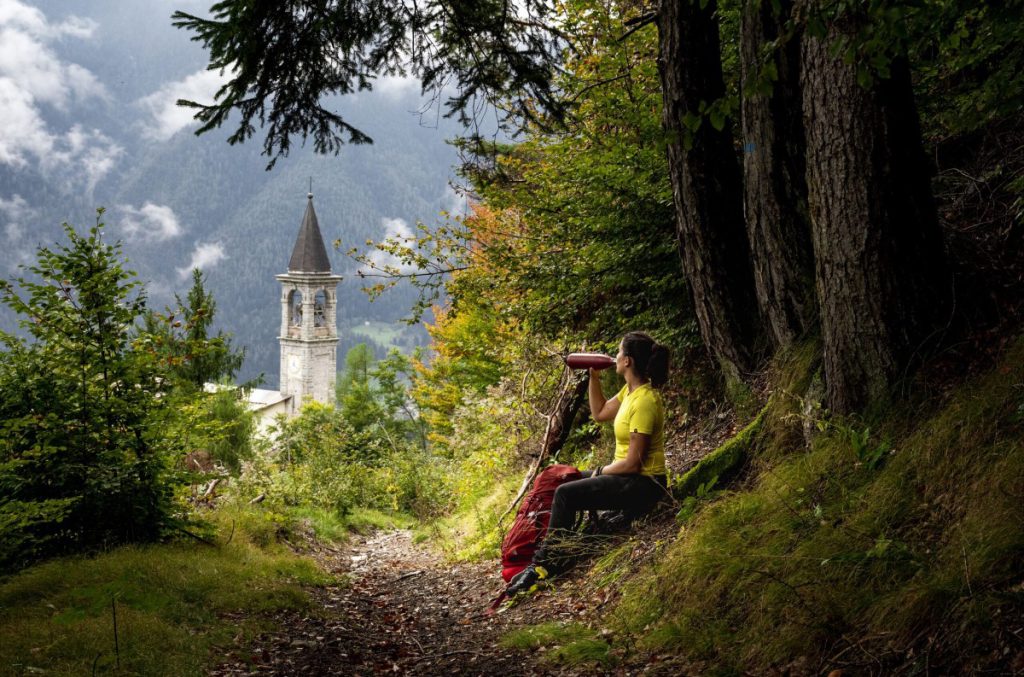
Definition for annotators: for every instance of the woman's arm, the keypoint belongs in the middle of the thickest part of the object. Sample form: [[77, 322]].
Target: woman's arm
[[639, 445], [602, 409]]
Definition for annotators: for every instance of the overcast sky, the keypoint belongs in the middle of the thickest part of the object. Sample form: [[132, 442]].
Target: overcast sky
[[87, 89], [45, 88], [88, 119]]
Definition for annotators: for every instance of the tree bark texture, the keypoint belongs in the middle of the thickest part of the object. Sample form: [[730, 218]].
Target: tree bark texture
[[880, 266], [568, 405], [775, 190], [706, 186]]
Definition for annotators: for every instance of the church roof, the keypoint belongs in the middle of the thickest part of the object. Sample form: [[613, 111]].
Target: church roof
[[309, 254], [261, 399]]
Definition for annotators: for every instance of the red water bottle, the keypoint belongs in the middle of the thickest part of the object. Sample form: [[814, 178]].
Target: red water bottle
[[589, 361]]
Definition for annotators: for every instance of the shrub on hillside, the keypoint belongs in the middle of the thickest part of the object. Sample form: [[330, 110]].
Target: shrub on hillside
[[318, 459], [79, 462]]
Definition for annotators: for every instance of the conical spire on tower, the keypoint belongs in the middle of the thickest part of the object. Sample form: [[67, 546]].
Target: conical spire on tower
[[309, 254]]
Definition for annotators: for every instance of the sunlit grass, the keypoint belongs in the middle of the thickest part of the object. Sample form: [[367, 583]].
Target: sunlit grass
[[564, 643], [174, 603], [473, 534], [332, 527]]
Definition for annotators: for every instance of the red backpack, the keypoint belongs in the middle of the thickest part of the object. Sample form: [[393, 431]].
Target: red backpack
[[532, 519]]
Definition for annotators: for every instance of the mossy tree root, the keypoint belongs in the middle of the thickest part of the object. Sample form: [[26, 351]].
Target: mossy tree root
[[722, 464]]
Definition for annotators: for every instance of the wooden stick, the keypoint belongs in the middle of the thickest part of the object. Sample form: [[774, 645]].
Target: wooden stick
[[447, 653], [410, 574], [117, 648], [556, 432], [209, 489]]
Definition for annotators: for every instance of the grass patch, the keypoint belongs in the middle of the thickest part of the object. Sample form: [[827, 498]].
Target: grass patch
[[364, 520], [329, 526], [383, 333], [895, 560], [474, 534], [570, 644], [612, 566], [171, 600]]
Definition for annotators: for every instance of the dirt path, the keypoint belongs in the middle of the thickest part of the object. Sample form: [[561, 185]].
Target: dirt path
[[403, 613]]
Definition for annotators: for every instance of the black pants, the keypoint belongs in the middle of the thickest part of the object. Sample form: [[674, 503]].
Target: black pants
[[636, 495]]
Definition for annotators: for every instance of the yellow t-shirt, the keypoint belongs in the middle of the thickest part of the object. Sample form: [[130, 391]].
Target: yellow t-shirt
[[641, 411]]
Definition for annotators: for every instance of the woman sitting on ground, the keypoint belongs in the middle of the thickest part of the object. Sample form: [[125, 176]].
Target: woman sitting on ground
[[635, 481]]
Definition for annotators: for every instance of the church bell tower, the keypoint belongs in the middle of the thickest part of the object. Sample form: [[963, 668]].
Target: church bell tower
[[309, 323]]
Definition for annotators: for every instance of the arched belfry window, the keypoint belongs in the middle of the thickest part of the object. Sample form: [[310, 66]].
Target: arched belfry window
[[295, 307], [320, 309]]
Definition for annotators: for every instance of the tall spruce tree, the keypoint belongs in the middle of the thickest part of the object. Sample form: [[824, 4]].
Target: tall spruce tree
[[193, 356], [80, 461], [208, 358]]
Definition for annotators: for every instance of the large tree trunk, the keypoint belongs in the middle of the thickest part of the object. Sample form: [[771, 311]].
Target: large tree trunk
[[880, 267], [706, 186], [775, 190]]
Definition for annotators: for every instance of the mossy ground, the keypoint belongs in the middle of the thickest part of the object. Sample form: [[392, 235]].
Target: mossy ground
[[897, 545]]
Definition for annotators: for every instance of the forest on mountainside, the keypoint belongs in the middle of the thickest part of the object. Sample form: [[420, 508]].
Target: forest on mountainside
[[175, 199], [817, 205]]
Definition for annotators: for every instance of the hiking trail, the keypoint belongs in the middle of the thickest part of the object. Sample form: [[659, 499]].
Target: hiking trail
[[401, 611]]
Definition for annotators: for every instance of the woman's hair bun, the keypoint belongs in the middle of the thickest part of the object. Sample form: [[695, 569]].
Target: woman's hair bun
[[657, 368]]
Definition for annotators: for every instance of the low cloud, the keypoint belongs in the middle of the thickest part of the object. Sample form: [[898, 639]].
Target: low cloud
[[149, 223], [15, 212], [397, 86], [33, 76], [80, 158], [396, 230], [454, 202], [164, 117], [204, 256], [16, 216], [31, 20], [26, 60]]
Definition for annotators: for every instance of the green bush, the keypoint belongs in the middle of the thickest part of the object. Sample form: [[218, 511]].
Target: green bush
[[80, 464], [319, 460], [235, 425]]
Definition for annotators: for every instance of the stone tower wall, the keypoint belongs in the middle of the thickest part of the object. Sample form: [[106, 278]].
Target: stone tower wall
[[309, 361]]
